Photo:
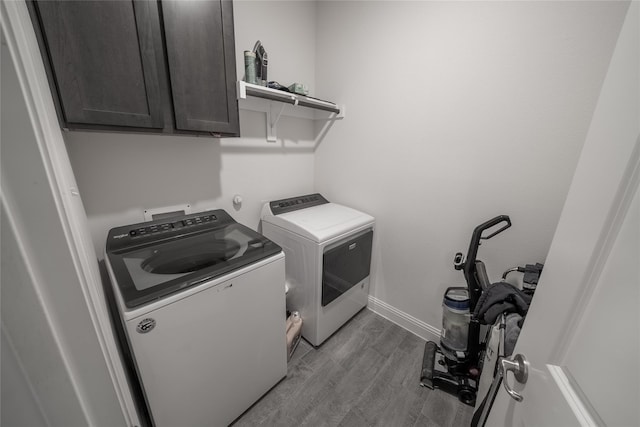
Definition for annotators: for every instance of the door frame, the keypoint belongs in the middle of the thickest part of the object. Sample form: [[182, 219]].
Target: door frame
[[612, 225]]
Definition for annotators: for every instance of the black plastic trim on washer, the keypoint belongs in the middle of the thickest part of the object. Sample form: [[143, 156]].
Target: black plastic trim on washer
[[121, 241]]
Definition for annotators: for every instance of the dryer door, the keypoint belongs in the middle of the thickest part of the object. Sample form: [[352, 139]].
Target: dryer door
[[346, 265]]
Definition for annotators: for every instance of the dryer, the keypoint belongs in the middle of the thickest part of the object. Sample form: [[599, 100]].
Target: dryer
[[328, 260]]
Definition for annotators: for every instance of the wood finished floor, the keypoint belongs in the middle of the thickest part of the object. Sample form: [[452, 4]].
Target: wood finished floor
[[367, 374]]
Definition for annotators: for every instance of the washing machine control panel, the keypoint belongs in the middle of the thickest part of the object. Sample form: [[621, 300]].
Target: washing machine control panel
[[136, 234], [167, 226], [294, 203]]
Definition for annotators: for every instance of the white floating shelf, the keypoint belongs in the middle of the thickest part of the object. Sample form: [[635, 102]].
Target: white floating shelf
[[275, 103]]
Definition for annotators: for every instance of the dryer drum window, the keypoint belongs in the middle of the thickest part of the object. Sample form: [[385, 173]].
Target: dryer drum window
[[345, 266]]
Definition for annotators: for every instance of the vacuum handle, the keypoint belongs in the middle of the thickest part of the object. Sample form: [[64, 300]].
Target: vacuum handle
[[492, 223], [469, 264]]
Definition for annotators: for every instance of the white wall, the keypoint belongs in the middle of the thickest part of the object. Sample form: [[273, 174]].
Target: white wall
[[287, 30], [36, 384], [457, 112], [121, 175], [19, 403]]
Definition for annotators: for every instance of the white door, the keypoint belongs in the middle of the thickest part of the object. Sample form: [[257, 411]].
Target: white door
[[582, 335]]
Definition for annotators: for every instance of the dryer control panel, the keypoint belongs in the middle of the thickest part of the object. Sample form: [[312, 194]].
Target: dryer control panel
[[295, 203]]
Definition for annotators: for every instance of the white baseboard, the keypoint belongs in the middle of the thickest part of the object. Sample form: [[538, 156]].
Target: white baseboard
[[404, 320]]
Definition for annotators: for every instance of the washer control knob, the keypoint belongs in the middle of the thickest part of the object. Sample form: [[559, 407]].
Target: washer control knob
[[237, 199]]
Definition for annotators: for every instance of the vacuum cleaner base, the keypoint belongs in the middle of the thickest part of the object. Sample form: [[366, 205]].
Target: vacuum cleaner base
[[435, 375]]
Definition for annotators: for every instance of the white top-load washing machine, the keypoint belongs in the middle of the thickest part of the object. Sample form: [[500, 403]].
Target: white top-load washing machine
[[202, 308], [328, 260]]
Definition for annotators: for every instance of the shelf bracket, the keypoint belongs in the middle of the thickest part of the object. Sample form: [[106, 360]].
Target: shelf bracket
[[273, 103], [272, 121]]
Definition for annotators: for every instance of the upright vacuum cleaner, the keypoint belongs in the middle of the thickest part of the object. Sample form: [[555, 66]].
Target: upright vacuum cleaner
[[454, 365]]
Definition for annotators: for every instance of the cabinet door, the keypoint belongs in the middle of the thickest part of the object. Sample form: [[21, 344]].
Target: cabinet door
[[103, 61], [201, 57]]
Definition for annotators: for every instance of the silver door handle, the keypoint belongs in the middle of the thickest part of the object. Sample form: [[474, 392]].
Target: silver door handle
[[520, 368]]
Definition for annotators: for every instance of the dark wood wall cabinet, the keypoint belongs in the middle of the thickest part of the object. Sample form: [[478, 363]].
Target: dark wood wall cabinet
[[140, 66]]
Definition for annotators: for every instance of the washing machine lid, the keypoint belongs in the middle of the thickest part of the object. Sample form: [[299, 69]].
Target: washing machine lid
[[155, 259], [319, 223]]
